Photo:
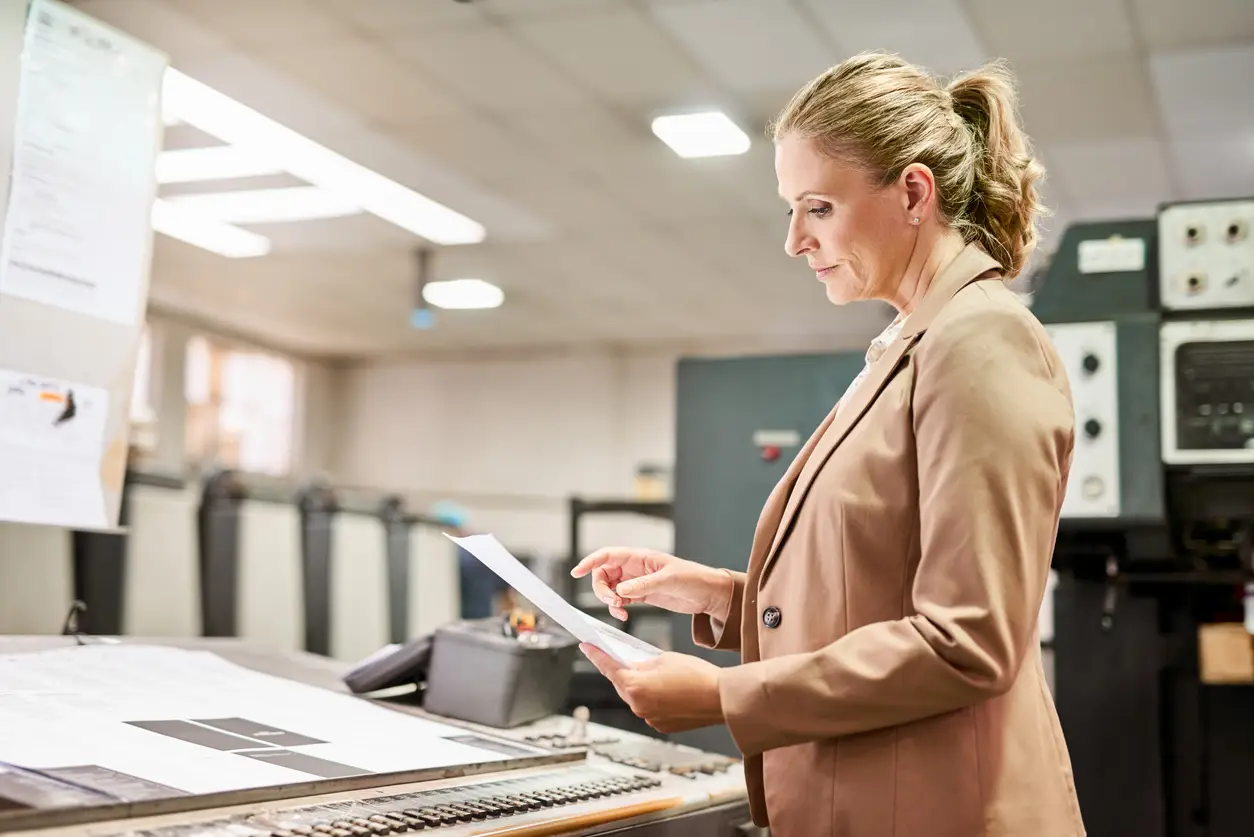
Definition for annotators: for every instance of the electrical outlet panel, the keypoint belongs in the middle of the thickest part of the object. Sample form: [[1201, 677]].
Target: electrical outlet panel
[[1206, 255], [1207, 391], [1088, 352]]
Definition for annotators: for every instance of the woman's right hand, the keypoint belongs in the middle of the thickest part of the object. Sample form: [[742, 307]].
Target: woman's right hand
[[623, 575]]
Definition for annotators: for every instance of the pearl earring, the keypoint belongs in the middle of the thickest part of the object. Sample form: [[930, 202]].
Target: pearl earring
[[915, 221]]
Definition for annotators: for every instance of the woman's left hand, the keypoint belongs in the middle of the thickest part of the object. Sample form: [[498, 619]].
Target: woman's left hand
[[671, 692]]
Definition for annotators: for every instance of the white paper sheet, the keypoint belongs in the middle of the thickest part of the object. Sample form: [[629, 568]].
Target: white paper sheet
[[168, 721], [52, 437], [618, 644], [79, 227]]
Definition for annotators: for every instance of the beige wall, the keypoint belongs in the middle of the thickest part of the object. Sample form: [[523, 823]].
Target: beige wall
[[318, 399]]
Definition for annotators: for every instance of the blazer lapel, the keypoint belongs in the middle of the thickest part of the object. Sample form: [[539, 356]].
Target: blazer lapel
[[970, 265]]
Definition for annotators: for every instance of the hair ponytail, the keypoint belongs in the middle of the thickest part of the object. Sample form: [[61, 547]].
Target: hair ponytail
[[1001, 212]]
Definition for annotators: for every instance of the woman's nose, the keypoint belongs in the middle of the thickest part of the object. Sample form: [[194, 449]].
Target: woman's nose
[[796, 243]]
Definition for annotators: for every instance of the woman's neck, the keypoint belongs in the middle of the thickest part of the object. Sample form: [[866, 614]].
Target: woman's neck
[[925, 265]]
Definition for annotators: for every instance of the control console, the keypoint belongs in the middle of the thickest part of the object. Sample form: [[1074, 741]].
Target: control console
[[1088, 352], [1206, 255], [1207, 391]]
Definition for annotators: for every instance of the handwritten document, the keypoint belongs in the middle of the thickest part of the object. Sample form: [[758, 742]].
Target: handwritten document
[[618, 644]]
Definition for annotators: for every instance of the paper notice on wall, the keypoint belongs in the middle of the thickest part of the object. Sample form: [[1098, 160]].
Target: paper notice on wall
[[79, 226], [52, 437]]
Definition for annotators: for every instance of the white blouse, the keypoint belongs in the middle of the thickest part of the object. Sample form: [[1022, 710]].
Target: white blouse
[[873, 353]]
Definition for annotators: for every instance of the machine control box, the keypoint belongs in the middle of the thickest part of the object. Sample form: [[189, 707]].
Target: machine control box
[[1208, 392], [1088, 352], [1206, 255]]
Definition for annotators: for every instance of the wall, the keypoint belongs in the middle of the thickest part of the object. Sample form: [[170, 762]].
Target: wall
[[512, 439], [318, 399]]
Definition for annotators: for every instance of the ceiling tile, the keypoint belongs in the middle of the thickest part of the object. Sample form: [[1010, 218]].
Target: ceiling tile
[[180, 37], [491, 68], [604, 50], [357, 75], [748, 180], [661, 186], [1205, 92], [1219, 167], [1170, 24], [392, 18], [577, 136], [272, 23], [749, 44], [1061, 29], [516, 9], [1086, 99], [1116, 177], [931, 33], [479, 147]]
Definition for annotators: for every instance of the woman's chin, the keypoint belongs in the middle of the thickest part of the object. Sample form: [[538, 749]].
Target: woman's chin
[[838, 293]]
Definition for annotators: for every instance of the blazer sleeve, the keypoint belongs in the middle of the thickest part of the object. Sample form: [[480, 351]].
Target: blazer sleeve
[[722, 631], [994, 429]]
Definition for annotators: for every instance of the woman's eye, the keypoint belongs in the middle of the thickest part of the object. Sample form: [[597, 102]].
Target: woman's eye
[[820, 211]]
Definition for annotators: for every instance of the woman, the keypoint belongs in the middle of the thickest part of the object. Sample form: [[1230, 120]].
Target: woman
[[891, 682]]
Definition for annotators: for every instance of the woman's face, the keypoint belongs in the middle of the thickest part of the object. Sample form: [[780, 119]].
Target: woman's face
[[856, 237]]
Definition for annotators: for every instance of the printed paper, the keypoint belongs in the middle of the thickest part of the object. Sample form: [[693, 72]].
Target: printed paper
[[52, 438], [618, 644], [78, 231]]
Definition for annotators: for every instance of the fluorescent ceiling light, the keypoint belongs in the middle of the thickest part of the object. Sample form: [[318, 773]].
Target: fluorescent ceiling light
[[463, 293], [267, 206], [709, 134], [189, 226], [219, 162], [228, 120]]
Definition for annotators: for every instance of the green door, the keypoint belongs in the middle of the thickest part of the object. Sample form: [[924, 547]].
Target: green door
[[728, 411]]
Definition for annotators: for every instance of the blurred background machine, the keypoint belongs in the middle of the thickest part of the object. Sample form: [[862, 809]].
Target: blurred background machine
[[1153, 667]]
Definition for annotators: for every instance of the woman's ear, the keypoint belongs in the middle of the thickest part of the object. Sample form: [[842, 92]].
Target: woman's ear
[[918, 192]]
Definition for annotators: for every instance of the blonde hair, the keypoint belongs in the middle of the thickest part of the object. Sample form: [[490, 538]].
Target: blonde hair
[[881, 113]]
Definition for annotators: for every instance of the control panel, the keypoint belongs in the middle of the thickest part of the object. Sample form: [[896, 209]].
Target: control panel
[[1207, 391], [1206, 255], [1088, 352]]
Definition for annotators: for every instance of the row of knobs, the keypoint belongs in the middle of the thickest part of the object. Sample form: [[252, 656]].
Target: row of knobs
[[1090, 364]]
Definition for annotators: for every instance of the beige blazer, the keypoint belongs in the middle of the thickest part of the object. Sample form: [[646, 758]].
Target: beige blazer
[[891, 683]]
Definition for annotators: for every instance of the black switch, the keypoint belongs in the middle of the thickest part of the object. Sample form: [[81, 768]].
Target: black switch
[[1092, 428], [1090, 363]]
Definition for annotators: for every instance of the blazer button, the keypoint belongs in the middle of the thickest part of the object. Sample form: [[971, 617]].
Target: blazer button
[[771, 617]]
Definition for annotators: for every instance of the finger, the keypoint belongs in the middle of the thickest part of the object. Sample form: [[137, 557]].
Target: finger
[[619, 613], [638, 588], [608, 555], [603, 587]]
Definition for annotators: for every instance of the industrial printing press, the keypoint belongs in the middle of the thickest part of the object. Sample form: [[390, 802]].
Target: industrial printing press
[[1154, 676], [209, 738]]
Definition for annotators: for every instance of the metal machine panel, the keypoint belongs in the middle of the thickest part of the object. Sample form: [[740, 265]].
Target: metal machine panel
[[1207, 391], [740, 422], [1100, 271], [1141, 475], [1206, 255], [1090, 357]]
